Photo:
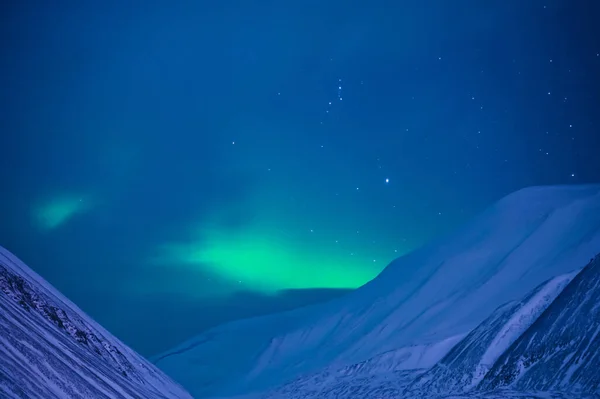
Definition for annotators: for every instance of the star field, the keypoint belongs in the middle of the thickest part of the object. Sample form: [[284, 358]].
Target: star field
[[170, 167]]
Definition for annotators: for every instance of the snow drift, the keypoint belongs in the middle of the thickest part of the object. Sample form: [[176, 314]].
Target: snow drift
[[418, 308]]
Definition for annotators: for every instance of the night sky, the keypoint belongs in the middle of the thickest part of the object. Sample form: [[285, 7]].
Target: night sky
[[172, 165]]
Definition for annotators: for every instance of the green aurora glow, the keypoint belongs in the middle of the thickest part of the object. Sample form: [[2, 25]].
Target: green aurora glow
[[259, 261], [57, 210]]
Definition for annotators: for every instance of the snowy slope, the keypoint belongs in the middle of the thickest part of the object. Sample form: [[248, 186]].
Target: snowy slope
[[419, 307], [469, 361], [50, 349], [561, 350], [344, 384]]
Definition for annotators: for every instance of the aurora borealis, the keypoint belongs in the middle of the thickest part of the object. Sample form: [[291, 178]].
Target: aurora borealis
[[268, 264], [56, 211], [170, 166]]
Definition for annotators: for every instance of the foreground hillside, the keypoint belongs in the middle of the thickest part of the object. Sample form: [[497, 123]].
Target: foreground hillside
[[50, 349], [504, 268]]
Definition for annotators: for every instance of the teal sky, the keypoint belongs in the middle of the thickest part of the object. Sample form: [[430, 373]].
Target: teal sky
[[171, 166]]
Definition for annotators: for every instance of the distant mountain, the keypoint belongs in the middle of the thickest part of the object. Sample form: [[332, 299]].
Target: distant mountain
[[481, 288], [50, 349]]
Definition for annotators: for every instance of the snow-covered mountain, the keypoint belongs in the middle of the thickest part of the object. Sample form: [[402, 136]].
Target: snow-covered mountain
[[50, 349], [543, 346], [413, 314]]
